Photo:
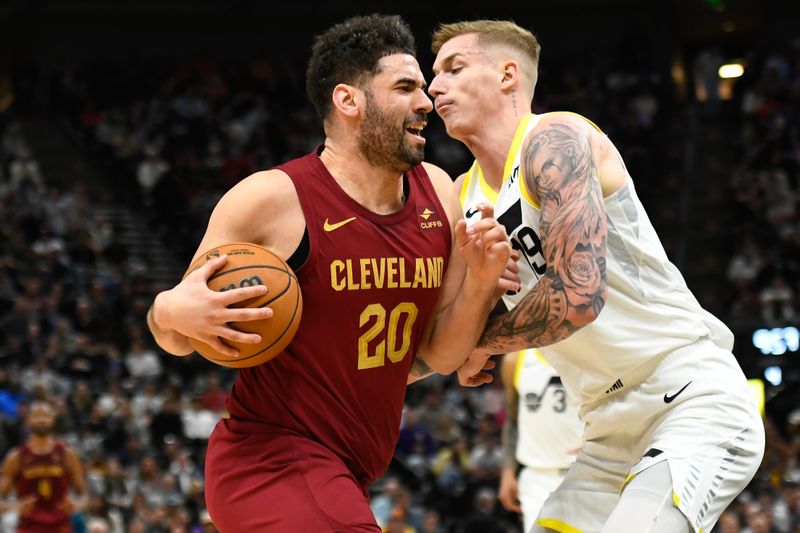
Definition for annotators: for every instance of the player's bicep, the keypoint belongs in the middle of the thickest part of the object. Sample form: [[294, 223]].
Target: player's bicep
[[448, 192], [560, 168], [262, 209], [456, 267]]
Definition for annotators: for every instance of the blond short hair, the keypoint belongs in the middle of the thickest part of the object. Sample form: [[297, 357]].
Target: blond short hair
[[493, 32]]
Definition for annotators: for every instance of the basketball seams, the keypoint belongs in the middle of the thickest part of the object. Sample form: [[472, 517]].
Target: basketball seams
[[246, 267]]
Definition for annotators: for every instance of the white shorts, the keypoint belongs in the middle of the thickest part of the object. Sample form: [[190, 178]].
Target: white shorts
[[709, 432], [534, 485]]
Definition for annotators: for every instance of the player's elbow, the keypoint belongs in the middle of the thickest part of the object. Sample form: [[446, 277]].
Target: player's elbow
[[442, 365]]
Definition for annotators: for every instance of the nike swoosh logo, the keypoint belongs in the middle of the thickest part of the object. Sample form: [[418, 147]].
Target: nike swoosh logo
[[471, 211], [668, 398], [327, 226]]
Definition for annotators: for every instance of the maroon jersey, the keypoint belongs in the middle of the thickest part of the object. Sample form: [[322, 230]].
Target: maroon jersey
[[46, 477], [370, 285]]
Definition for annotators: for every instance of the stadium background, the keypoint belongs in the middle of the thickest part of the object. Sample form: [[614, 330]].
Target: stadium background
[[121, 124]]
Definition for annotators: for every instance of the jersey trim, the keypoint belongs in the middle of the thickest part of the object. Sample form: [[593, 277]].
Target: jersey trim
[[465, 185], [514, 147], [557, 525], [490, 193], [518, 367], [519, 136], [540, 357]]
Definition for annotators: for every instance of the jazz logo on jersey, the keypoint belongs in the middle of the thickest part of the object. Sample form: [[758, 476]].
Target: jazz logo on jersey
[[430, 219], [534, 401]]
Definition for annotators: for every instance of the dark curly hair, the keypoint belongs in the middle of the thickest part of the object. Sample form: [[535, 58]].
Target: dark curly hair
[[349, 53]]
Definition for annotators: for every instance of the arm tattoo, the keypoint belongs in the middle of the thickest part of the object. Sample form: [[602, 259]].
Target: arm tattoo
[[559, 166]]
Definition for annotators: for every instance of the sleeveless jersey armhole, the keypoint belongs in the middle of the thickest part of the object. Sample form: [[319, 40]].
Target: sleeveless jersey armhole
[[300, 255]]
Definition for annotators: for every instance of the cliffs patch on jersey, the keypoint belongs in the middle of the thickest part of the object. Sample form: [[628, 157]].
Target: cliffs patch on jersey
[[428, 218]]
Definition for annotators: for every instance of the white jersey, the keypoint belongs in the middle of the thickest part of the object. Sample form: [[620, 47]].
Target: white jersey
[[549, 428], [649, 311]]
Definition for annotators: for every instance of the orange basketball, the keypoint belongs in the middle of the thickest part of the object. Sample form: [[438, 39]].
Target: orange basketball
[[249, 264]]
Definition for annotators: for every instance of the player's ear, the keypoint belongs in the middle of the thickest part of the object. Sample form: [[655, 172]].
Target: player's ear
[[347, 99], [510, 74]]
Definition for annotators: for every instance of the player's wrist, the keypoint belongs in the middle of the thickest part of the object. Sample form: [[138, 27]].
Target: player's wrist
[[159, 312]]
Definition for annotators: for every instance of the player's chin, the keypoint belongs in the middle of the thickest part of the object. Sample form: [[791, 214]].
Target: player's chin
[[414, 154]]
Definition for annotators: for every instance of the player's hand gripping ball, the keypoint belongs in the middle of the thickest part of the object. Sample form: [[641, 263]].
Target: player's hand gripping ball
[[248, 265]]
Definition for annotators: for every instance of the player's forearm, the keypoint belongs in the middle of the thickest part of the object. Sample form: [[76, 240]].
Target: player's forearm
[[457, 328], [509, 439], [170, 340], [543, 317]]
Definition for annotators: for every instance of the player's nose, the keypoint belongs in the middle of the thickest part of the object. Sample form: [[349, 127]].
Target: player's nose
[[423, 103], [436, 88]]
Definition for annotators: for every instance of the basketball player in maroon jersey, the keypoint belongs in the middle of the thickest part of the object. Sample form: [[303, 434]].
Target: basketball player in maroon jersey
[[41, 471], [389, 280]]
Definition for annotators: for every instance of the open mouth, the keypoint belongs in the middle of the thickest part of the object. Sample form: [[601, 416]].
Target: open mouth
[[415, 130]]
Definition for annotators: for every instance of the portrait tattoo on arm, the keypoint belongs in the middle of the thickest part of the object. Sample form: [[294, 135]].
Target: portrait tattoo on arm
[[559, 166]]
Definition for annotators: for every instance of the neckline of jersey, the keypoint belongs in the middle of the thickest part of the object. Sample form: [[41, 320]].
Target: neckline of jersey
[[519, 136], [359, 210]]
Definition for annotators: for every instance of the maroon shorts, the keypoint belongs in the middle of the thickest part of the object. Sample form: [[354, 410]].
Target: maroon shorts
[[281, 483]]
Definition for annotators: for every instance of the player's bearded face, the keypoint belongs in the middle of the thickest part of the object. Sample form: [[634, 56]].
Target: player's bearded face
[[383, 139]]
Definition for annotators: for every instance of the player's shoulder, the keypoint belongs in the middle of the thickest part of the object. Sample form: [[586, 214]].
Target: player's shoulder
[[12, 458], [260, 190], [568, 118], [440, 179], [459, 182], [264, 183], [436, 174], [565, 125]]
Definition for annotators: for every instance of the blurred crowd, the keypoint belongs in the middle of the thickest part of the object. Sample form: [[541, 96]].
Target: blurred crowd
[[765, 268], [170, 139]]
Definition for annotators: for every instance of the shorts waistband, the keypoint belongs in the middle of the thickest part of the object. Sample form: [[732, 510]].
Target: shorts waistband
[[639, 375]]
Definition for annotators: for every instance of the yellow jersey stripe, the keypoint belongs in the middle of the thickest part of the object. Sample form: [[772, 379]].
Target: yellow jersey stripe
[[524, 190], [518, 367], [465, 185], [757, 388], [519, 136], [490, 193], [557, 525], [522, 187], [627, 480]]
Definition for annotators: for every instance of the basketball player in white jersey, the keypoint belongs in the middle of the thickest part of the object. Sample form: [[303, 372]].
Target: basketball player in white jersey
[[541, 433], [672, 433]]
